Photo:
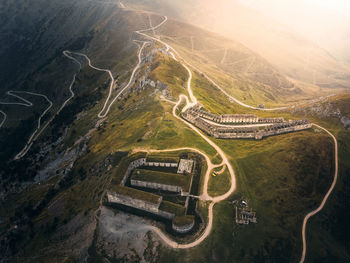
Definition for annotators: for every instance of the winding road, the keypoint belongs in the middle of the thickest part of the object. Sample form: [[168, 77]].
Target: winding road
[[107, 106], [205, 196], [325, 198], [26, 103], [39, 129], [185, 64], [4, 119]]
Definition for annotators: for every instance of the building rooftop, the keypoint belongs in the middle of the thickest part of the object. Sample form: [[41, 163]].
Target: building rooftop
[[185, 166]]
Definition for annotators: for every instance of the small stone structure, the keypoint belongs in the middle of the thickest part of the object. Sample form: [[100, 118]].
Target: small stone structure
[[185, 166], [244, 217]]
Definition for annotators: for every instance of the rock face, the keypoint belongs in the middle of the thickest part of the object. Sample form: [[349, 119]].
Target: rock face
[[126, 237], [326, 109], [140, 205], [133, 202], [346, 122]]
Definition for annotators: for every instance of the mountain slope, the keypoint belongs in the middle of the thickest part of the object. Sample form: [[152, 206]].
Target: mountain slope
[[288, 52]]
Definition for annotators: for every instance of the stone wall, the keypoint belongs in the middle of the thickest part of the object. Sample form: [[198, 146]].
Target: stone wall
[[238, 118], [157, 186], [132, 202], [165, 215], [133, 165], [160, 164], [139, 204], [183, 229]]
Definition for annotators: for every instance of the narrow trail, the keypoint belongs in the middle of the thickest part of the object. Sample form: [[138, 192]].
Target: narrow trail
[[26, 103], [224, 57], [39, 129], [70, 88], [107, 105], [325, 198], [4, 119], [175, 53], [66, 53], [32, 137], [112, 83]]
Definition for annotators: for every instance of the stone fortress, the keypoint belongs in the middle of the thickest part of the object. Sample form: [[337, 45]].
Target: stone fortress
[[145, 184], [241, 126]]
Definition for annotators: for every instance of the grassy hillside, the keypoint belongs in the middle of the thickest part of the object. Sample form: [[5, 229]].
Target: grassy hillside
[[282, 177], [291, 54]]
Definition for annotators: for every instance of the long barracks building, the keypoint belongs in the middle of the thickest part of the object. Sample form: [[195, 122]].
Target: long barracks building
[[274, 126], [197, 111]]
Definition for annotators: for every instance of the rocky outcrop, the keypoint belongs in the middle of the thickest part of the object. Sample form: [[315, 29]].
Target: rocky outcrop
[[346, 122]]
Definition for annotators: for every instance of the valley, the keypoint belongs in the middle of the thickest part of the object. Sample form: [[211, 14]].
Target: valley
[[118, 105]]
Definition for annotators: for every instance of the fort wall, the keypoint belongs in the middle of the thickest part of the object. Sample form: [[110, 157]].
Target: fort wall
[[133, 202], [157, 186], [183, 229], [133, 165]]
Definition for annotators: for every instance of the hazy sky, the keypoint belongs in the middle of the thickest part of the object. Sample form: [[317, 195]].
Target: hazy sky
[[326, 22], [341, 6]]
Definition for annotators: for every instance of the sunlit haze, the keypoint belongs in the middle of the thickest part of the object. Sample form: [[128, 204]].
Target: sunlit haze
[[325, 22]]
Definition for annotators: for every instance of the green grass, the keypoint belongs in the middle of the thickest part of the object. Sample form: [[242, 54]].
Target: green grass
[[172, 208], [183, 220], [219, 184], [169, 72], [123, 166], [282, 178], [180, 180], [164, 159]]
